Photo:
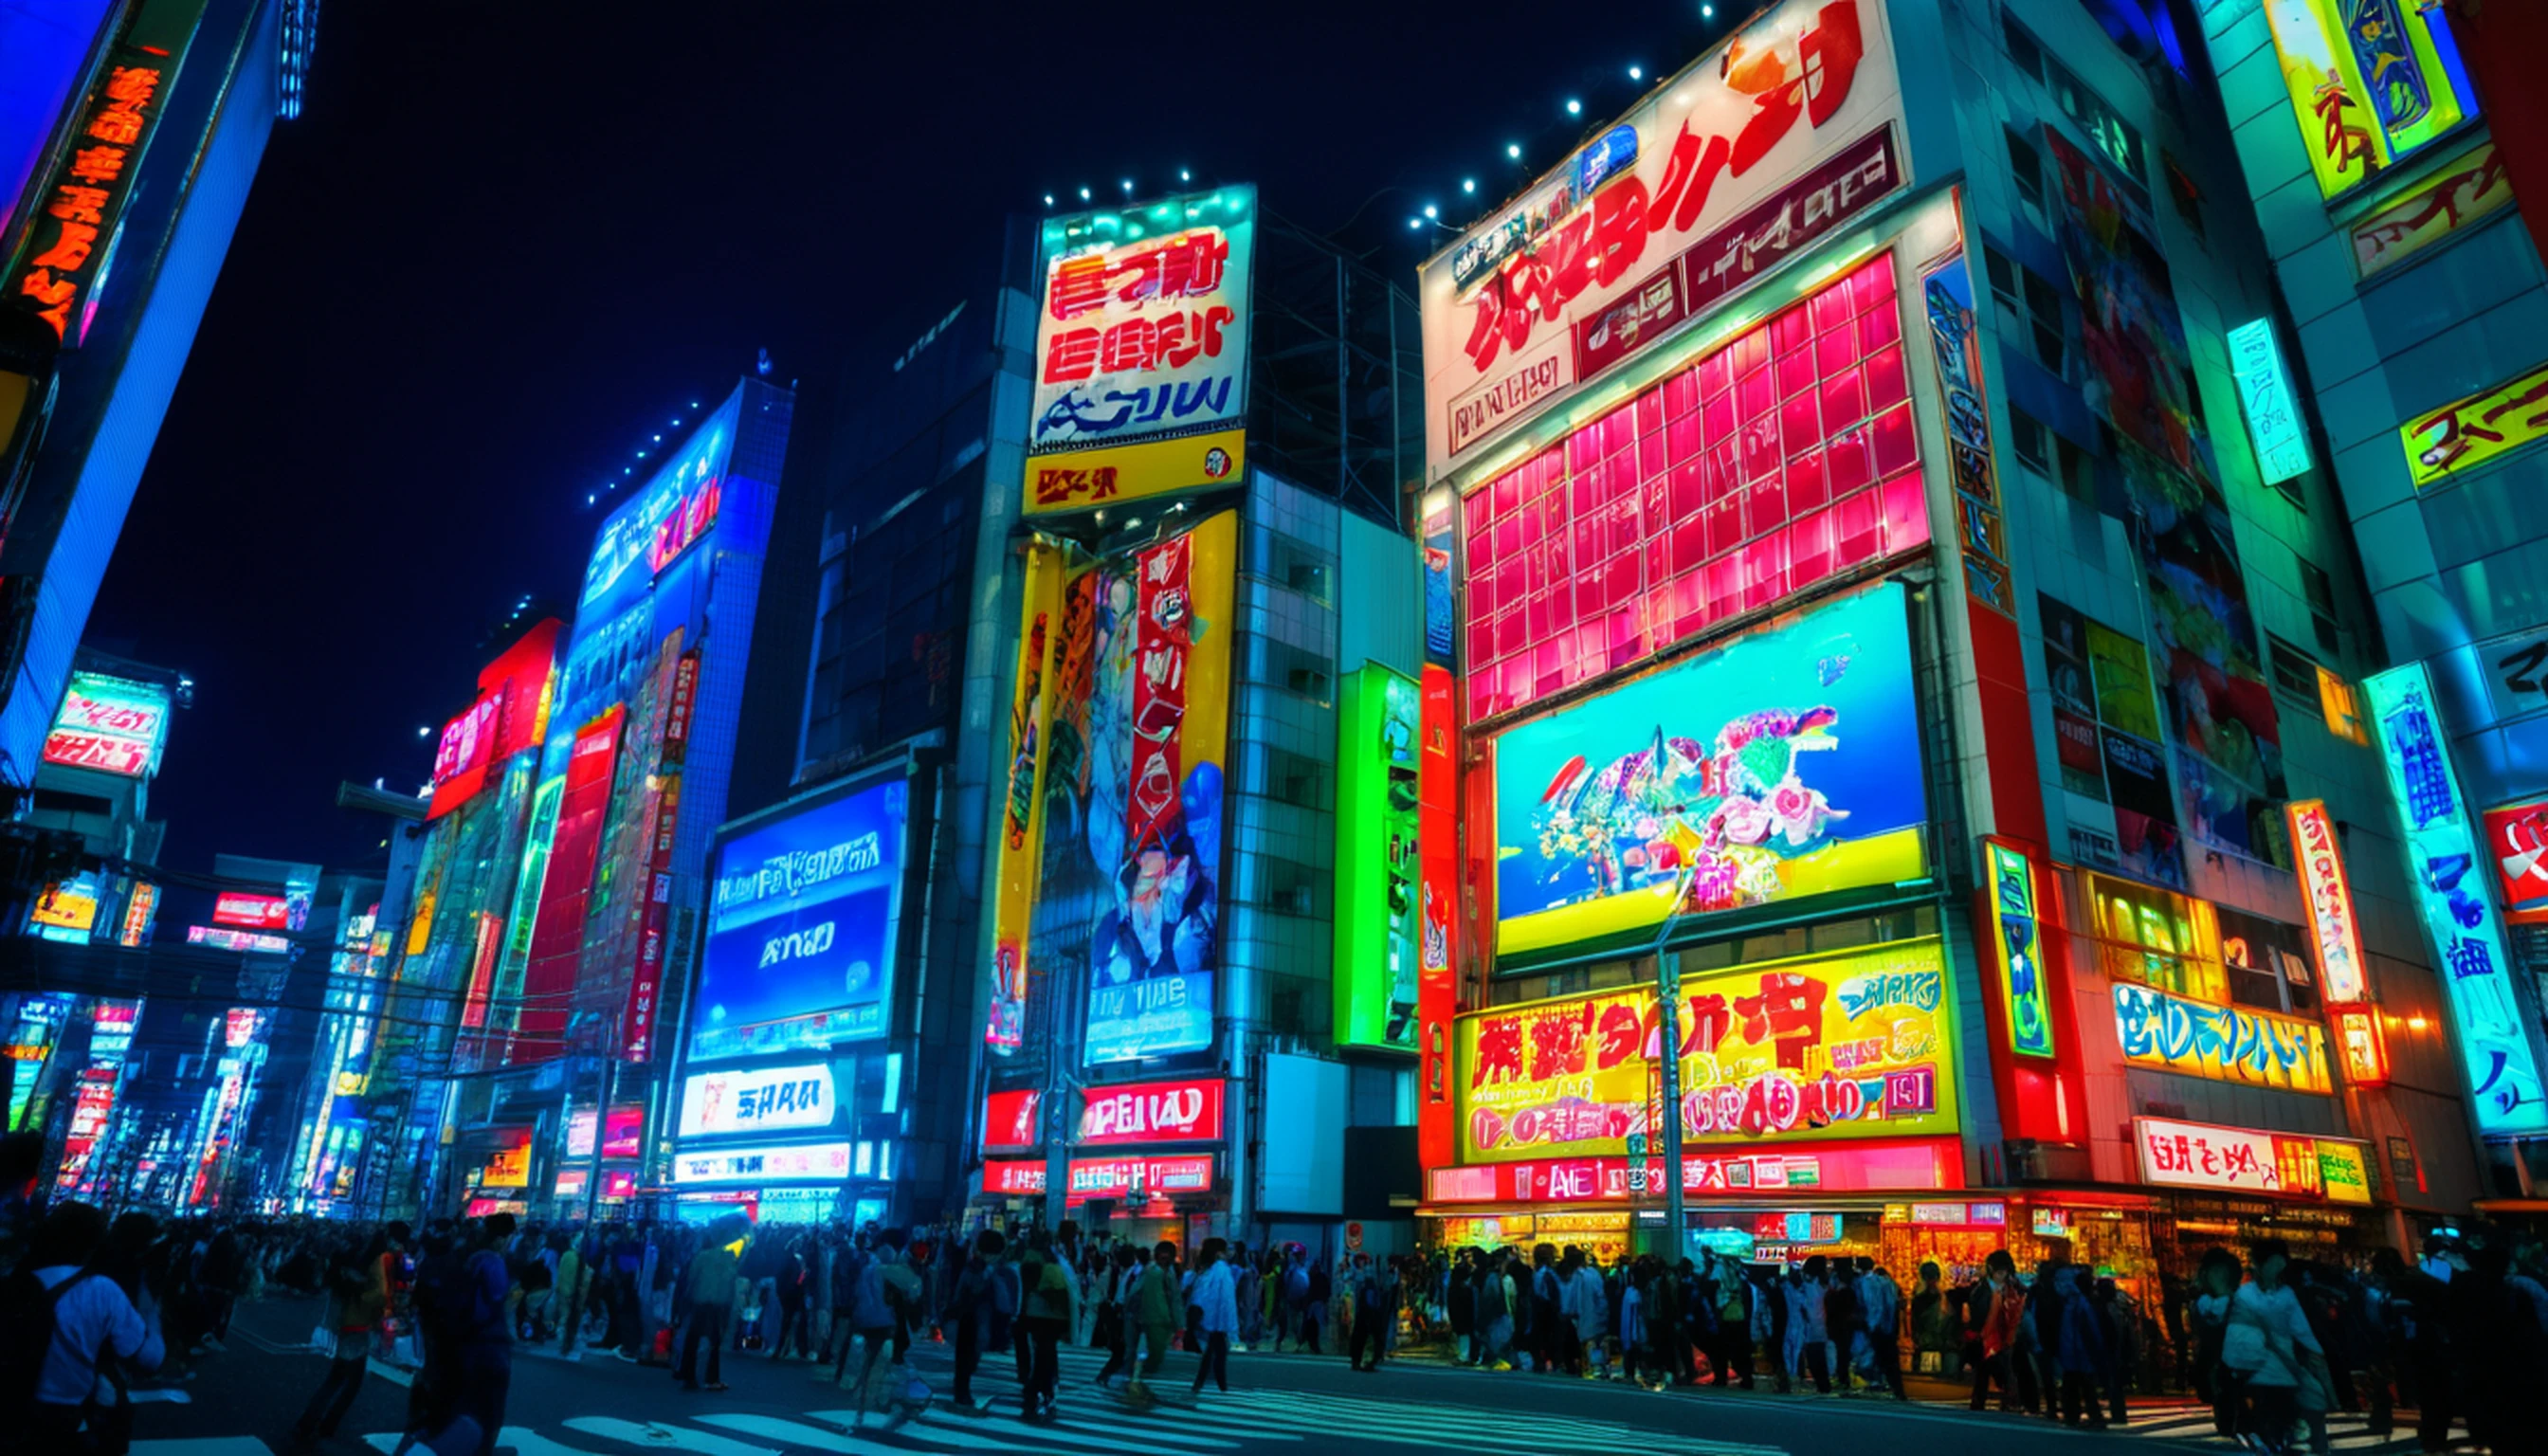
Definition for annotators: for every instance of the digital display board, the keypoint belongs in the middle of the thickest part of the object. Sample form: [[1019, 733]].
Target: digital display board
[[1785, 764], [1853, 1046], [255, 912], [1377, 917], [2372, 82], [773, 1099], [801, 929], [113, 725]]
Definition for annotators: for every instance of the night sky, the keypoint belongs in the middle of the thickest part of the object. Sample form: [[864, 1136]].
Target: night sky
[[506, 244]]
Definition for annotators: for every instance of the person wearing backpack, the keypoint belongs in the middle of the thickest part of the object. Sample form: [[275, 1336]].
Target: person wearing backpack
[[62, 1327], [874, 1316], [1040, 1330]]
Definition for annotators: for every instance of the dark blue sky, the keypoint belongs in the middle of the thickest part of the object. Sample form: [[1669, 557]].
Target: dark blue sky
[[506, 242]]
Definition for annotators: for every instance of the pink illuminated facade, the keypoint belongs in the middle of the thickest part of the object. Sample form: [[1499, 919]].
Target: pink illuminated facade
[[1779, 460]]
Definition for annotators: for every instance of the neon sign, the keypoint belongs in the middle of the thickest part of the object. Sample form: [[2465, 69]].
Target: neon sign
[[2331, 899], [2021, 969], [2265, 392]]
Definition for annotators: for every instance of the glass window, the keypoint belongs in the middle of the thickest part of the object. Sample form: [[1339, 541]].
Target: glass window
[[2155, 937]]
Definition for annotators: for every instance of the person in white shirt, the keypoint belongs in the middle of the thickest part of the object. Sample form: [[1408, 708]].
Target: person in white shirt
[[1216, 1299], [93, 1321]]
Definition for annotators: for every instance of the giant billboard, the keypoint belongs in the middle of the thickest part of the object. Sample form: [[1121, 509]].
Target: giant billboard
[[2372, 82], [113, 725], [1132, 797], [803, 928], [1837, 1047], [1785, 764], [1770, 141], [1142, 336]]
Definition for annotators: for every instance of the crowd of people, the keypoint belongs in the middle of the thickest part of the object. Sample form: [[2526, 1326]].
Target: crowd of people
[[92, 1305]]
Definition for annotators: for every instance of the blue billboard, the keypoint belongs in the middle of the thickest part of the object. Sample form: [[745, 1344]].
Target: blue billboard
[[801, 930], [1785, 764]]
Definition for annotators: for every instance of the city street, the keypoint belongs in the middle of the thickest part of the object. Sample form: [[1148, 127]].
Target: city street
[[244, 1401]]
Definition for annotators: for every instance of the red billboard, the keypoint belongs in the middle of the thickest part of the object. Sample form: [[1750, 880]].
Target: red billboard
[[1137, 1177], [255, 912], [510, 715], [1013, 1119], [2517, 837], [623, 1131], [1018, 1177], [557, 936], [1184, 1111]]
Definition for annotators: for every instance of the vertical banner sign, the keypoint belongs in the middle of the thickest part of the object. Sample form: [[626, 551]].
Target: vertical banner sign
[[646, 990], [2360, 1044], [1377, 914], [526, 895], [1438, 990], [1141, 350], [2021, 969], [1021, 847], [2265, 395], [2330, 900], [1979, 527], [557, 939], [75, 234], [2443, 859], [679, 709], [1158, 723]]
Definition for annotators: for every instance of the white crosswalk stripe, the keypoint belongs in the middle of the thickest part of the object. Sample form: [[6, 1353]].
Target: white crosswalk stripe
[[2189, 1424]]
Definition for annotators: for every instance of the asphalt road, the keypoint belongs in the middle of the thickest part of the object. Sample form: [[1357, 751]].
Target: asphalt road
[[242, 1402]]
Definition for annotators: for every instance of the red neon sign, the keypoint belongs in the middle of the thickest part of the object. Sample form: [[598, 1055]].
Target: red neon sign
[[1018, 1176], [1013, 1118], [1153, 1112], [255, 912], [1139, 1177]]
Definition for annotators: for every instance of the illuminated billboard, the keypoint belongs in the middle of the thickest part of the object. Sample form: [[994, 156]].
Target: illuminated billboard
[[2274, 425], [1139, 719], [802, 926], [1376, 912], [1838, 1046], [1142, 334], [2446, 866], [2219, 1160], [2225, 1043], [255, 912], [1020, 849], [2371, 82], [1775, 138], [510, 715], [1785, 764], [67, 910], [639, 533], [2474, 430], [770, 1099], [1778, 460], [2330, 900], [113, 725]]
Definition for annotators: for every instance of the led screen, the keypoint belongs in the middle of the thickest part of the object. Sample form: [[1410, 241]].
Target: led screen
[[1785, 764], [801, 930], [1773, 463]]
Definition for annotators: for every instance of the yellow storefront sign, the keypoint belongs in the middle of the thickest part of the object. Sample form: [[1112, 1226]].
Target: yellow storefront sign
[[1080, 480], [2476, 429]]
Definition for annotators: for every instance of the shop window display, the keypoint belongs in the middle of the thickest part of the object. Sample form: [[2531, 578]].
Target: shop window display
[[1779, 460]]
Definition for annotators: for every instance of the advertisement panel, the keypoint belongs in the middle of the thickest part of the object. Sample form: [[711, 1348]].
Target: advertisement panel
[[1143, 332], [510, 715], [623, 1130], [1015, 1177], [801, 929], [2517, 838], [2227, 1043], [557, 936], [1834, 1046], [1777, 136], [2274, 425], [2469, 433], [777, 1099], [71, 235], [810, 1163], [2330, 900], [68, 905], [1981, 533], [1376, 912], [1139, 1177], [2495, 1043], [1012, 1120], [1783, 765], [2217, 1159], [1438, 990], [255, 912], [1020, 844], [1185, 1110], [1140, 720], [631, 538], [1117, 474], [2469, 189], [2372, 82], [1906, 1164], [1783, 457], [113, 725], [2021, 967]]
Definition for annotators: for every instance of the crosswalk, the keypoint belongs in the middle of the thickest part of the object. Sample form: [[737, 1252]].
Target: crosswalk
[[2190, 1423]]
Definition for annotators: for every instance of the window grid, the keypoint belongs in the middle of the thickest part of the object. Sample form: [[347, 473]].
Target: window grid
[[1773, 463]]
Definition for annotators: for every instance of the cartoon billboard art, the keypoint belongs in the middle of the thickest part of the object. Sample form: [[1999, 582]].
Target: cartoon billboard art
[[1787, 763]]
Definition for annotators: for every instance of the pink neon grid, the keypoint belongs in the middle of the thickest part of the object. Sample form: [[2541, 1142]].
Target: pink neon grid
[[1782, 458]]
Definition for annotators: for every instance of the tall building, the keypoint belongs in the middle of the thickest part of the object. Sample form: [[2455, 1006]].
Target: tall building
[[1877, 622], [2392, 204], [130, 133]]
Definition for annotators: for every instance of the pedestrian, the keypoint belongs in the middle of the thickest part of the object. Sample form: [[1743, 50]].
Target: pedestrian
[[795, 1284], [707, 1300], [1808, 1349], [1844, 1323], [1216, 1297], [358, 1300], [479, 1311], [1586, 1301], [2267, 1340], [1879, 1303], [1040, 1330], [1994, 1310], [873, 1320], [68, 1326]]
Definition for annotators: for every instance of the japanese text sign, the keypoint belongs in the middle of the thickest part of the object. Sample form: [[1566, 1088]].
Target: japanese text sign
[[1852, 1045], [75, 227], [812, 1162], [2218, 1159], [2265, 393], [1143, 328], [1589, 263], [2470, 188], [2476, 429], [1152, 1111], [2371, 82], [1139, 1177], [109, 724], [1018, 1176], [2227, 1043], [2331, 899], [2495, 1036]]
